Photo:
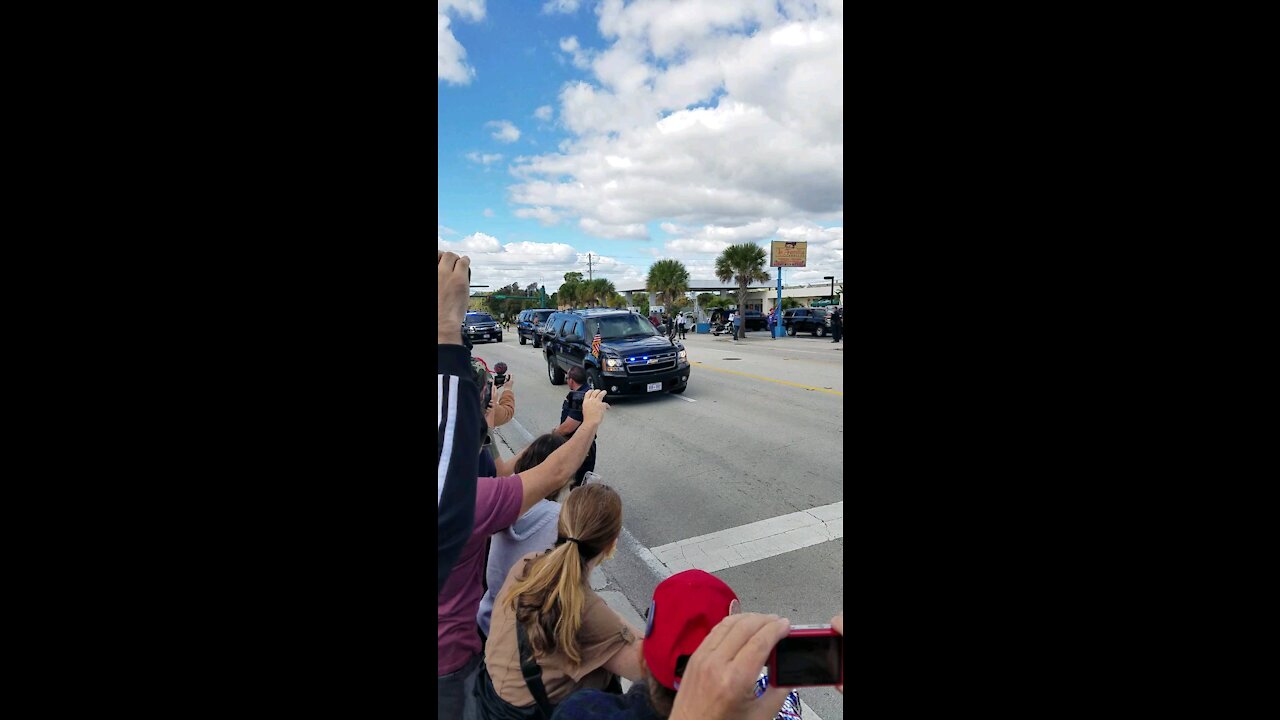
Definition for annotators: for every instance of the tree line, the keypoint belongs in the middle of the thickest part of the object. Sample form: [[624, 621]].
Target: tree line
[[667, 284]]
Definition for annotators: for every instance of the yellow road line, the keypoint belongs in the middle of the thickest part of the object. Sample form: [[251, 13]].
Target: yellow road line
[[757, 377]]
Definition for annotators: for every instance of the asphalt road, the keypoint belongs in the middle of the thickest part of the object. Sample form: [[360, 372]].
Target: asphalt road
[[758, 434]]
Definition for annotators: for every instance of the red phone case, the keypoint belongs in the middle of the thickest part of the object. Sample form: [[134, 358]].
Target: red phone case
[[806, 631]]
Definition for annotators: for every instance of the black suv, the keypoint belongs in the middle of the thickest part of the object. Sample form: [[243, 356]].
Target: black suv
[[756, 320], [634, 358], [529, 325], [810, 320], [481, 326]]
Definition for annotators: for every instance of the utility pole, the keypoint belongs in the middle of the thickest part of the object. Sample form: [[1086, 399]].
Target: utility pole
[[589, 276]]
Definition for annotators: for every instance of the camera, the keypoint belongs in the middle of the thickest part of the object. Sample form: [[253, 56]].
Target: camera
[[500, 374], [811, 655]]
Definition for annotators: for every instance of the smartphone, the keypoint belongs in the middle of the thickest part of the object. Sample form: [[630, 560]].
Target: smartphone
[[486, 396], [811, 655]]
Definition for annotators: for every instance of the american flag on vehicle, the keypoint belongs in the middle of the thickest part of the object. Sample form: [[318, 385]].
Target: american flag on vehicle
[[595, 346]]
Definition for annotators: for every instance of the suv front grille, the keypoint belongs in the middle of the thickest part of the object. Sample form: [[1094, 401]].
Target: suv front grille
[[656, 363]]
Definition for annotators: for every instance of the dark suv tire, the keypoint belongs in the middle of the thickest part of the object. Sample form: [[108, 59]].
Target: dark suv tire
[[522, 340], [821, 331], [791, 329], [554, 373], [594, 380]]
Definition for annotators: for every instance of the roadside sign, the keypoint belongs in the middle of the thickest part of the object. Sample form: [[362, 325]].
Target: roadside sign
[[784, 253]]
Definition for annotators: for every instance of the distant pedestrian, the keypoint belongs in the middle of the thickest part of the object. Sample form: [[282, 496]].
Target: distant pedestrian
[[736, 322], [653, 318], [837, 324], [680, 321], [772, 321]]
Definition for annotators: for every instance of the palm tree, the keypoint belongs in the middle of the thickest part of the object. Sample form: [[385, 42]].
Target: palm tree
[[569, 294], [598, 290], [745, 264], [670, 279]]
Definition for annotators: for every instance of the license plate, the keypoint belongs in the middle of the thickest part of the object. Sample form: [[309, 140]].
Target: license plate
[[653, 387], [485, 336]]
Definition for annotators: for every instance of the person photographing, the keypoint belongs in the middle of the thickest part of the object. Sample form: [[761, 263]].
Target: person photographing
[[571, 419]]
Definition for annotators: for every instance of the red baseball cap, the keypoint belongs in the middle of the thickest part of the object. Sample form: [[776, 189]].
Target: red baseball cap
[[686, 606]]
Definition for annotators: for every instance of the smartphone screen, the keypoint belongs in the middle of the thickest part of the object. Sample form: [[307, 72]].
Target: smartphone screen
[[809, 660]]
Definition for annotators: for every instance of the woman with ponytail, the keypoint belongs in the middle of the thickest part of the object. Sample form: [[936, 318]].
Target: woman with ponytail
[[548, 613]]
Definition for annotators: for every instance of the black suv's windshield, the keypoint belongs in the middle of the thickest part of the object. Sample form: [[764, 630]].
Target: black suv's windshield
[[620, 326], [479, 317]]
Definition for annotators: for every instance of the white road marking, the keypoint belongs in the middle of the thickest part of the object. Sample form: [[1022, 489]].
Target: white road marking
[[514, 425], [631, 544], [754, 541], [684, 398]]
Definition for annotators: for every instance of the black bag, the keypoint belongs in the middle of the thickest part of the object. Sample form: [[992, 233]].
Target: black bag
[[486, 704]]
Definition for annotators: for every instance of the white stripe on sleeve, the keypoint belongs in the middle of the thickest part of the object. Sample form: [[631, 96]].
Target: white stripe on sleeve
[[450, 421]]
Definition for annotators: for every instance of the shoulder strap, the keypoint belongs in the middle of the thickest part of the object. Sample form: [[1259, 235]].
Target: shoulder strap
[[532, 673]]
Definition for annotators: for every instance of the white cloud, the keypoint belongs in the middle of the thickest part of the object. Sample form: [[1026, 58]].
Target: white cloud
[[496, 264], [543, 215], [677, 247], [543, 113], [507, 132], [581, 57], [451, 65], [484, 158], [635, 231], [488, 212], [473, 243], [446, 230], [561, 6], [725, 120]]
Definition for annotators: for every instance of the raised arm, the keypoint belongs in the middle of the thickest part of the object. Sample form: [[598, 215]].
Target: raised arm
[[457, 418], [540, 480]]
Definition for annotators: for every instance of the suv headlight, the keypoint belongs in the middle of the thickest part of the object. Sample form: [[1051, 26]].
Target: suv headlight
[[684, 356], [612, 362]]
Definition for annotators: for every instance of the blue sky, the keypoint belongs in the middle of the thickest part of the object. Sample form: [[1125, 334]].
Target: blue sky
[[636, 131]]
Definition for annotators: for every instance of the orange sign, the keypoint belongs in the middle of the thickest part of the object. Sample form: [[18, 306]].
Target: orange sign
[[788, 254]]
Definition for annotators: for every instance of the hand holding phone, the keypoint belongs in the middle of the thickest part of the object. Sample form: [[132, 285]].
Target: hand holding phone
[[810, 655]]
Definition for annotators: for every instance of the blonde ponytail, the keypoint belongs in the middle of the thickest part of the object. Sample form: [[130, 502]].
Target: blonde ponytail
[[551, 598]]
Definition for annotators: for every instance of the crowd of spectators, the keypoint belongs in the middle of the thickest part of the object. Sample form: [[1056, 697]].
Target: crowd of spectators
[[520, 632]]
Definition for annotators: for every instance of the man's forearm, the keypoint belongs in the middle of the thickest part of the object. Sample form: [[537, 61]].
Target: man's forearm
[[568, 427], [568, 457]]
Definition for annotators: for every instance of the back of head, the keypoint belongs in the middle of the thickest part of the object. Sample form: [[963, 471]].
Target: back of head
[[549, 601], [577, 374], [685, 608], [537, 452]]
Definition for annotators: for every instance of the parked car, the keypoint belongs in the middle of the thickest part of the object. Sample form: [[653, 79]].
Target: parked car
[[756, 321], [481, 326], [810, 320], [634, 358], [529, 325]]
